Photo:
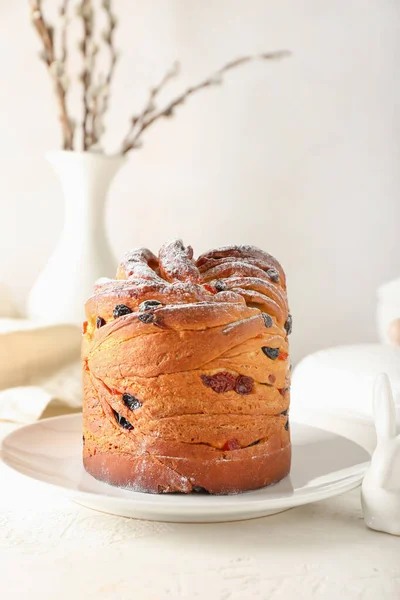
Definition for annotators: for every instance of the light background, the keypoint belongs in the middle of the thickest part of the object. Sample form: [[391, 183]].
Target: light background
[[300, 157]]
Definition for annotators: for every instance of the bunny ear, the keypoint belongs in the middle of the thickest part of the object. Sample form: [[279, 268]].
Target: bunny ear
[[384, 409]]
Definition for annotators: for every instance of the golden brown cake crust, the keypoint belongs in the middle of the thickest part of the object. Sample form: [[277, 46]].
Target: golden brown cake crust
[[186, 372]]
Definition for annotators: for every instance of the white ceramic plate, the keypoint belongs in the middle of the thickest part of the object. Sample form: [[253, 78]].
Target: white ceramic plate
[[324, 464]]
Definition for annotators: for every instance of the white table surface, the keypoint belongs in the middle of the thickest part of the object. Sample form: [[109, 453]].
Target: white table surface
[[52, 549]]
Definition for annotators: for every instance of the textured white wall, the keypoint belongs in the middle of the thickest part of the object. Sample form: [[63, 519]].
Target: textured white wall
[[299, 157]]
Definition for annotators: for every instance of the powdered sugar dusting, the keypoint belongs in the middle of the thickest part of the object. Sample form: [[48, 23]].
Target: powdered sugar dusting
[[232, 326], [176, 262], [139, 263]]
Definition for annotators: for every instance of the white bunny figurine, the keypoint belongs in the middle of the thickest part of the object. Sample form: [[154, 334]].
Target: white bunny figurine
[[380, 492]]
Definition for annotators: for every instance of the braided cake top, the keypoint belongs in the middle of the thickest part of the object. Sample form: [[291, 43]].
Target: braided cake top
[[241, 275]]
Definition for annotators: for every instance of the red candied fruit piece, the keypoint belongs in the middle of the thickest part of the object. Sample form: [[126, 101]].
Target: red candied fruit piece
[[231, 445], [283, 355], [209, 288], [220, 382], [84, 327]]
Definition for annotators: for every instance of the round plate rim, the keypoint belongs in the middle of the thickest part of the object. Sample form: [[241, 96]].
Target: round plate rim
[[156, 503]]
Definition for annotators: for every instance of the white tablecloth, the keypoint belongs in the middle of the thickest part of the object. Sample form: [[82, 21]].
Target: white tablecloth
[[51, 549]]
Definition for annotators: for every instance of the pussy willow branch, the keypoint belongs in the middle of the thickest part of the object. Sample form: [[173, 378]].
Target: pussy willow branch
[[85, 11], [147, 118], [64, 30], [93, 122], [150, 107], [96, 97], [109, 40], [46, 34], [101, 97], [91, 95]]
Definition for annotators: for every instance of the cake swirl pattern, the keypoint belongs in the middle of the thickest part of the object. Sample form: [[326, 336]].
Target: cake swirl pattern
[[186, 372]]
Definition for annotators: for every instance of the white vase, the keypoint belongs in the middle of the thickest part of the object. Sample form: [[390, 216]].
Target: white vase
[[83, 253]]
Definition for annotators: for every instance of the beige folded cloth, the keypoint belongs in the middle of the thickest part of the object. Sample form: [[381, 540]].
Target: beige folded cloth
[[40, 374], [49, 396]]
